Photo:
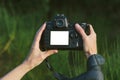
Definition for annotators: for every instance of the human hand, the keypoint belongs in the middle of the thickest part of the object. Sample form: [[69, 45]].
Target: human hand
[[36, 56], [89, 41]]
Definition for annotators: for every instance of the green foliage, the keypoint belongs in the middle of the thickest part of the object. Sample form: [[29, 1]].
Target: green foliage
[[18, 26]]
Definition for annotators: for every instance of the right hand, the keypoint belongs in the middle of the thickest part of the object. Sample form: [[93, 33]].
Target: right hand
[[89, 41]]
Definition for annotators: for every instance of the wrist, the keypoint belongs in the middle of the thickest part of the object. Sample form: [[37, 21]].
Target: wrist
[[27, 65], [89, 54]]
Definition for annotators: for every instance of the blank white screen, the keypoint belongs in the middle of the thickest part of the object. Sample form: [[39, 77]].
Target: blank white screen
[[59, 38]]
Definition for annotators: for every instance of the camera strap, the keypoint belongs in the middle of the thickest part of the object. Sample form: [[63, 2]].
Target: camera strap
[[57, 75]]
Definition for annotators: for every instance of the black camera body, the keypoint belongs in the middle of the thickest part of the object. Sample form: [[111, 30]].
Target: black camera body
[[59, 34]]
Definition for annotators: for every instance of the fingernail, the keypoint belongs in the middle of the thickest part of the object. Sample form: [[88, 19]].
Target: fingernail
[[56, 51], [76, 24]]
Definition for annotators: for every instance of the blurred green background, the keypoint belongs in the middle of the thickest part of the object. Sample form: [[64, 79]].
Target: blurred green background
[[20, 19]]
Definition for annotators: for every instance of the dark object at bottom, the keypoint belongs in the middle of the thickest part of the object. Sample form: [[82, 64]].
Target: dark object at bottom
[[93, 70]]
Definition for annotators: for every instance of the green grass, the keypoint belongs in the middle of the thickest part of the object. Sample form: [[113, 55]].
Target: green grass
[[17, 33]]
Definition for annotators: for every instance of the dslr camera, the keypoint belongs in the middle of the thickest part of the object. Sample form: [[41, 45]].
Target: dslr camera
[[60, 34]]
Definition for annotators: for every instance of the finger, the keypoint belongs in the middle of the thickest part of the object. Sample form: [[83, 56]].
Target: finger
[[39, 33], [80, 30], [50, 52], [91, 29]]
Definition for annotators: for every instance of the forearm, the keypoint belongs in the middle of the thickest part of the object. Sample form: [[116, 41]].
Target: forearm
[[93, 69], [17, 73]]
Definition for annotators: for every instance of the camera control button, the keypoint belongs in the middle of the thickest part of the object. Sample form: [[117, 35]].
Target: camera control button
[[72, 35], [77, 44], [76, 35]]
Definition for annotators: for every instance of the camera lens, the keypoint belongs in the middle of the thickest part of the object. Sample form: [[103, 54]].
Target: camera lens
[[59, 23]]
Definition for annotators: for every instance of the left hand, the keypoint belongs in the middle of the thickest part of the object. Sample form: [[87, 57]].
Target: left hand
[[36, 56]]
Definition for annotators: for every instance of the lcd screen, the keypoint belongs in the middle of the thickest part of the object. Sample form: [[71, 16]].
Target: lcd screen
[[59, 38]]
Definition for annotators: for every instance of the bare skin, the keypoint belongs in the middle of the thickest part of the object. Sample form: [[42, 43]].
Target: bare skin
[[89, 41], [37, 56]]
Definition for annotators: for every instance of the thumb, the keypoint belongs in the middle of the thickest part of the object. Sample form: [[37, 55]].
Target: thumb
[[50, 52], [80, 30]]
